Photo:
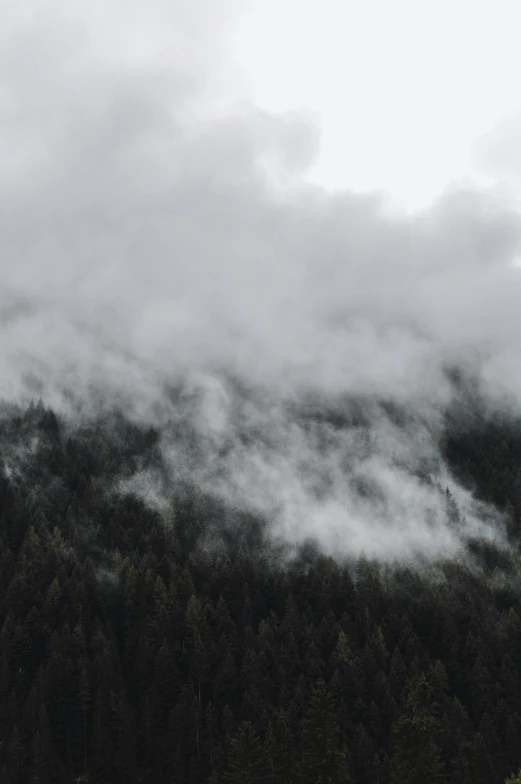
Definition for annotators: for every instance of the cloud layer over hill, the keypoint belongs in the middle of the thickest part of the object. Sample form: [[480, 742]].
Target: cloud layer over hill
[[145, 249]]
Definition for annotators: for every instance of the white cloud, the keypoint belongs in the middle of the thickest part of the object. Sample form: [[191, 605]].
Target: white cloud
[[143, 242]]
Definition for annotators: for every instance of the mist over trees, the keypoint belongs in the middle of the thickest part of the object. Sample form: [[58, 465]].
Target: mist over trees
[[181, 643], [260, 485]]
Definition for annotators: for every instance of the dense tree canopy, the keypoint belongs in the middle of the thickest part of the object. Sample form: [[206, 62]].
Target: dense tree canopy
[[131, 653]]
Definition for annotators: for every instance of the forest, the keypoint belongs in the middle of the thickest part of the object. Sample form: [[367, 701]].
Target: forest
[[133, 651]]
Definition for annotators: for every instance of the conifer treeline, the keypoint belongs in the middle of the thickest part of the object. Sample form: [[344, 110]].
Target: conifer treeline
[[129, 653]]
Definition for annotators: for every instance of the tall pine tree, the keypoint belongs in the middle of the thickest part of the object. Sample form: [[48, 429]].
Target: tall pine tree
[[323, 760]]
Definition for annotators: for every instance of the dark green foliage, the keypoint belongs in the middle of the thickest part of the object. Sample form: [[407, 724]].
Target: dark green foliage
[[247, 763], [323, 760], [128, 654], [484, 452], [416, 755]]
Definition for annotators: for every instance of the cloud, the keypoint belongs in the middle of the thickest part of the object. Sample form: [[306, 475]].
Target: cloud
[[144, 243], [496, 155], [498, 152]]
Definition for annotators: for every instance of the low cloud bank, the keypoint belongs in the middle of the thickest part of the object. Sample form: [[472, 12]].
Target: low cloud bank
[[149, 262]]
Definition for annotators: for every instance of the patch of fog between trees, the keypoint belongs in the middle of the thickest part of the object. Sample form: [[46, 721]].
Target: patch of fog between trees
[[358, 477]]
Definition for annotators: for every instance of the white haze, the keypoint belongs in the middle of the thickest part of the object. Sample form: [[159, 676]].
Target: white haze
[[144, 246]]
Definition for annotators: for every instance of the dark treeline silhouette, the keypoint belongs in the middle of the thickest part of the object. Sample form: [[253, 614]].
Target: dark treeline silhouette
[[170, 648]]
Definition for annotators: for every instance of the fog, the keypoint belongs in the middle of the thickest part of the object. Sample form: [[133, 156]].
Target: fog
[[162, 253]]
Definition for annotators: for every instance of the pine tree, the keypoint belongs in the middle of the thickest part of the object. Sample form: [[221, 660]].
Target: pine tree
[[84, 699], [323, 761], [285, 763], [416, 757], [246, 763]]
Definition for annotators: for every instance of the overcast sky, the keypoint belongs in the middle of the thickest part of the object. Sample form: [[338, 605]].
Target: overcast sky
[[408, 92], [144, 239]]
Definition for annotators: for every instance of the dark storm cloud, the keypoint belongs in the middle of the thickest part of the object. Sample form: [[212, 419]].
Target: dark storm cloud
[[143, 242]]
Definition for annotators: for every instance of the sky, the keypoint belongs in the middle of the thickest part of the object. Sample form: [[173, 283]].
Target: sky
[[160, 226], [411, 95]]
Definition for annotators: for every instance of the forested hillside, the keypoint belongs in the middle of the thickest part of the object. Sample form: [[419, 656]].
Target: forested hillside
[[140, 646]]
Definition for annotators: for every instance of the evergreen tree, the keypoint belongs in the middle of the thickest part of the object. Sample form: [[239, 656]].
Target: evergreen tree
[[323, 760], [246, 760], [416, 756]]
